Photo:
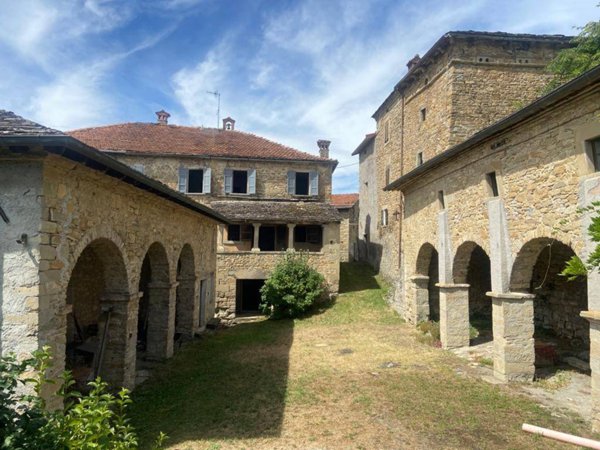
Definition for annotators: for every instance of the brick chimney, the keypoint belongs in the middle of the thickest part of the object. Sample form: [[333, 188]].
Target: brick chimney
[[228, 124], [162, 117], [323, 148], [413, 62]]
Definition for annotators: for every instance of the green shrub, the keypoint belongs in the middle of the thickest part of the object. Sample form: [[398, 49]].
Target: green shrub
[[292, 288], [431, 333], [93, 421]]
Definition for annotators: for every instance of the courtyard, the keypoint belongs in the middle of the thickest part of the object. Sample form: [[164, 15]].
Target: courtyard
[[351, 375]]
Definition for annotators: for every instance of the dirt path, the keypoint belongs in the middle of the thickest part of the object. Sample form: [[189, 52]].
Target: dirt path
[[350, 377]]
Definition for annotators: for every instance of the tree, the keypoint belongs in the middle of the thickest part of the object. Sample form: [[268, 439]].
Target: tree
[[572, 62]]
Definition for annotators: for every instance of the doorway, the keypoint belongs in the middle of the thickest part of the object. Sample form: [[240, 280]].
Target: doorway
[[248, 295]]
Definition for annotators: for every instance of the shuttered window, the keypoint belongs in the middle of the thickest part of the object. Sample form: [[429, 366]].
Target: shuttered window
[[303, 183], [194, 181], [240, 181]]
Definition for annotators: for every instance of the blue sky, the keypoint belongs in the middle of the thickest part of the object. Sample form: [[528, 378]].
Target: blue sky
[[292, 71]]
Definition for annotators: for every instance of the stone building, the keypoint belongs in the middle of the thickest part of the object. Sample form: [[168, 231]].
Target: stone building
[[277, 198], [102, 263], [347, 206], [478, 192]]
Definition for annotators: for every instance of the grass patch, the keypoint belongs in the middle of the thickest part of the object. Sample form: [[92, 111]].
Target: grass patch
[[325, 381], [557, 380]]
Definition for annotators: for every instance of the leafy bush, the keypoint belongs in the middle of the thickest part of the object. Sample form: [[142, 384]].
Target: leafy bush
[[292, 288], [93, 421]]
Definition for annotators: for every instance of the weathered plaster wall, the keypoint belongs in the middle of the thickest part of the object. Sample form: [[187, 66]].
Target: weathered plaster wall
[[271, 176]]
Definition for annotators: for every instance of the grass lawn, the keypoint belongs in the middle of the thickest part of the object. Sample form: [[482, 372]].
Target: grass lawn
[[350, 376]]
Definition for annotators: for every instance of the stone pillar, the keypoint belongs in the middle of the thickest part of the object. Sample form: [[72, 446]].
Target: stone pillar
[[117, 366], [445, 249], [161, 320], [255, 246], [514, 345], [594, 318], [187, 308], [220, 234], [291, 227], [500, 254], [454, 315], [418, 308]]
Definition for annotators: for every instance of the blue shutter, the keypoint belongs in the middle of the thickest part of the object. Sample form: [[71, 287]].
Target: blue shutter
[[252, 181], [314, 183], [183, 179], [206, 181], [228, 181], [291, 182]]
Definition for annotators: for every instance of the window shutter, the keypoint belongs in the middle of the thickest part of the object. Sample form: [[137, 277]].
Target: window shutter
[[206, 181], [291, 182], [252, 181], [314, 183], [228, 181], [183, 179]]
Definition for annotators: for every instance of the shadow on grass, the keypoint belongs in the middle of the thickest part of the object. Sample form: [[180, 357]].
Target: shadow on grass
[[357, 277], [230, 385]]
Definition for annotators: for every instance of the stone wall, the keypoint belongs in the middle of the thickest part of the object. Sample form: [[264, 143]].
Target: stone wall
[[368, 210], [271, 176], [258, 265], [71, 209], [348, 233]]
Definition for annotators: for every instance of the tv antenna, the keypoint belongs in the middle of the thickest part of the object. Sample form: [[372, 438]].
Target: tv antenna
[[217, 94]]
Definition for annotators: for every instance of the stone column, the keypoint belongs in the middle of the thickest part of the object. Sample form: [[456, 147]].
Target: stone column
[[500, 253], [454, 315], [255, 246], [418, 308], [514, 345], [220, 233], [117, 366], [291, 227], [594, 318], [187, 308], [161, 320]]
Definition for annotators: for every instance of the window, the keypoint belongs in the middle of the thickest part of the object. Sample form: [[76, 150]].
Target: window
[[310, 234], [387, 175], [240, 181], [423, 114], [247, 232], [419, 158], [441, 200], [386, 131], [303, 183], [194, 181], [233, 233], [595, 147], [492, 183], [384, 217]]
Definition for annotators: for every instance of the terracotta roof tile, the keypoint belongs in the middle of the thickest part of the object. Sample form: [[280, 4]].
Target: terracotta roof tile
[[344, 200], [148, 138]]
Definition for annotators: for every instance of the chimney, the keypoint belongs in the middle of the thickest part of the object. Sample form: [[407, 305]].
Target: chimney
[[163, 117], [228, 124], [413, 62], [323, 148]]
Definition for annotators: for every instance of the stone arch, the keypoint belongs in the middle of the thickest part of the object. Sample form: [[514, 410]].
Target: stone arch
[[559, 330], [186, 306], [472, 267], [427, 277], [97, 336], [156, 317]]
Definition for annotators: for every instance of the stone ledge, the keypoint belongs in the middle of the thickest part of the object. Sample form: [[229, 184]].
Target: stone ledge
[[511, 295], [591, 315], [452, 286], [419, 278]]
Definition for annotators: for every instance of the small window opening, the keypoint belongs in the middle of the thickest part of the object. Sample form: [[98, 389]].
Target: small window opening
[[419, 158], [302, 183], [387, 175], [595, 147], [233, 233], [310, 234], [423, 114], [240, 182], [195, 177], [387, 131], [492, 184], [384, 217], [441, 200], [426, 81]]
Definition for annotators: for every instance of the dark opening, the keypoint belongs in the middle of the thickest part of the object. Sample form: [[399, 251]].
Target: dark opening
[[143, 310], [441, 201], [248, 295], [492, 183], [423, 114], [240, 181], [419, 158], [596, 153], [195, 177], [302, 183], [479, 279], [233, 233], [311, 234], [266, 238], [434, 291]]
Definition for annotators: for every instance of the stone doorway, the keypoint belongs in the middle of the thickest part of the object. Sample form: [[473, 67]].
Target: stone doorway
[[248, 296], [427, 293]]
